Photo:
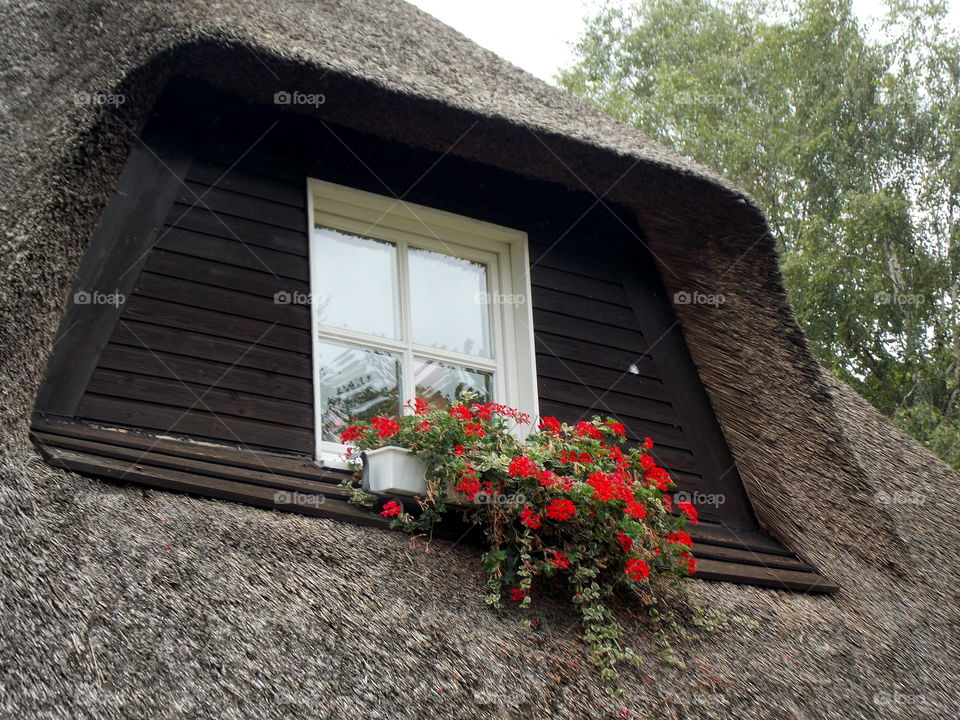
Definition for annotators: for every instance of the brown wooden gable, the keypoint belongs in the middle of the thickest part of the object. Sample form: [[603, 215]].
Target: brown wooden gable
[[200, 382]]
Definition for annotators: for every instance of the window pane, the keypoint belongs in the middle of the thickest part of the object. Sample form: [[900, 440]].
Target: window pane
[[355, 383], [448, 303], [441, 384], [357, 286]]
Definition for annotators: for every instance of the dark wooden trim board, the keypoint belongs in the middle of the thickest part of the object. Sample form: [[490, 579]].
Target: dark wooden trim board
[[111, 265], [272, 480]]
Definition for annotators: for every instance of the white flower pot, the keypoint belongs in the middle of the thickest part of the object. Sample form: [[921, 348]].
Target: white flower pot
[[393, 470]]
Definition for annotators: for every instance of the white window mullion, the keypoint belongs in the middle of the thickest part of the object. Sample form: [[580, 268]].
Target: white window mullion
[[408, 389]]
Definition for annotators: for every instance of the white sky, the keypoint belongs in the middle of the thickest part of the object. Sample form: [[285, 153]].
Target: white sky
[[537, 34]]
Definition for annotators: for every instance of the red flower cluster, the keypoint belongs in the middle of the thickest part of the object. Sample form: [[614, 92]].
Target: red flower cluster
[[459, 411], [680, 538], [458, 450], [659, 477], [647, 444], [610, 487], [617, 428], [529, 518], [419, 406], [560, 560], [385, 426], [390, 509], [475, 429], [637, 569], [583, 458], [689, 510], [469, 484], [522, 466], [424, 426], [561, 510], [626, 542], [691, 562], [508, 412], [635, 510], [585, 429], [350, 433], [550, 424], [482, 411], [517, 594]]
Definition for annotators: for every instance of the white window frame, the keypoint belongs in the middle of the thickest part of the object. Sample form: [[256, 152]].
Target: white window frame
[[503, 250]]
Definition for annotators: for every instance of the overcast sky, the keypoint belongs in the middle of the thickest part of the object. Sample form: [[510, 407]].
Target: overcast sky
[[536, 34]]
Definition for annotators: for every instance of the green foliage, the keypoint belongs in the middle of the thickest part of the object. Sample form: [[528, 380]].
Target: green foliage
[[573, 504], [848, 140]]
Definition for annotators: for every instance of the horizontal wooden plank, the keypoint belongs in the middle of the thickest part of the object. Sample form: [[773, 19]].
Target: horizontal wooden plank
[[236, 253], [143, 361], [190, 396], [187, 344], [302, 466], [610, 358], [599, 378], [589, 331], [749, 557], [724, 534], [218, 324], [225, 202], [591, 310], [546, 253], [610, 402], [231, 277], [200, 221], [267, 497], [266, 475], [197, 423], [776, 578], [242, 181], [577, 284], [206, 297]]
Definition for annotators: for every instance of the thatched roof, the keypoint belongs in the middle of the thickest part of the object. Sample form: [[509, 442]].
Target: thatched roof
[[251, 613]]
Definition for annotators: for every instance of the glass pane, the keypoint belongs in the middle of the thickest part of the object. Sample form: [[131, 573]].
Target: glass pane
[[357, 283], [441, 384], [355, 382], [448, 303]]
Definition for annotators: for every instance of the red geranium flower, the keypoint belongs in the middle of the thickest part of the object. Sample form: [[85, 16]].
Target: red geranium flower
[[529, 518], [691, 562], [385, 427], [475, 429], [585, 429], [550, 424], [459, 411], [604, 489], [636, 510], [517, 594], [350, 433], [647, 443], [420, 406], [560, 560], [680, 538], [458, 450], [469, 485], [522, 466], [481, 411], [561, 510], [637, 569], [617, 428], [626, 542], [390, 509], [689, 510], [424, 426]]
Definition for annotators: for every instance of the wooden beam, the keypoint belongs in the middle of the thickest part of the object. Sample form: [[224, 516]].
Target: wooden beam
[[109, 269]]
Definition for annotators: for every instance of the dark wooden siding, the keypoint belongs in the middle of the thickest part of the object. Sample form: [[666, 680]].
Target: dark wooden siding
[[202, 347]]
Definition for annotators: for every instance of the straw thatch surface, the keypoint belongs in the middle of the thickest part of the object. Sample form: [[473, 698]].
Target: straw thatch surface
[[258, 614]]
